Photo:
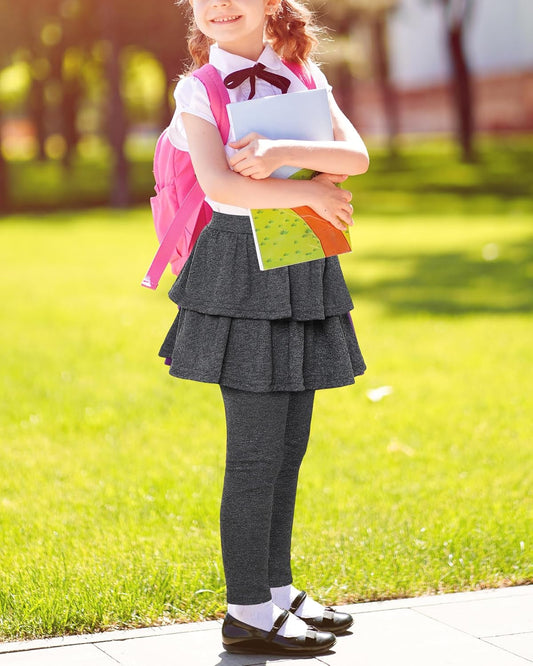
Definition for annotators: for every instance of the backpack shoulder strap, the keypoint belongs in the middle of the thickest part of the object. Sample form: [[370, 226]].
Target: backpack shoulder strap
[[218, 97], [191, 206], [189, 210], [302, 72]]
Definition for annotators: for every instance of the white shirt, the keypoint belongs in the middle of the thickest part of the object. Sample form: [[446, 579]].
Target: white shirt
[[191, 97]]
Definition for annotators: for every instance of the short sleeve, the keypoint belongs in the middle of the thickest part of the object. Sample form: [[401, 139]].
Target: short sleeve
[[191, 97], [318, 76]]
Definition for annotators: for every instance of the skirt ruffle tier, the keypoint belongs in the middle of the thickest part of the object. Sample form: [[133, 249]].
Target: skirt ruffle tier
[[286, 329]]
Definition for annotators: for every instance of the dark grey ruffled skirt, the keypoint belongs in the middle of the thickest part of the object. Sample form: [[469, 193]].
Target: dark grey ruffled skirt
[[286, 329]]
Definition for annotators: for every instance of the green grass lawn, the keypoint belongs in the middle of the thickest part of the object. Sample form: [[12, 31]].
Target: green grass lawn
[[111, 471]]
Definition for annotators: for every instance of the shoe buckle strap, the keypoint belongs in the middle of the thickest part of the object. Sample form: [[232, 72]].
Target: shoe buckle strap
[[298, 601], [311, 633], [329, 613], [277, 625]]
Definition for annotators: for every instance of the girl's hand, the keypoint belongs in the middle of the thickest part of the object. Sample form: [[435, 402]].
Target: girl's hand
[[256, 157], [332, 202]]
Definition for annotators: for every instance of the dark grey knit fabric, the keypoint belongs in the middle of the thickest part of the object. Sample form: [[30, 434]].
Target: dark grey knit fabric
[[286, 329], [267, 435], [222, 277], [269, 338]]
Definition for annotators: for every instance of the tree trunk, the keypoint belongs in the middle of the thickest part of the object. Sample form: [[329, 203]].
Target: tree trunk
[[116, 117], [69, 107], [171, 69], [344, 89], [462, 83], [4, 183], [381, 66], [37, 111]]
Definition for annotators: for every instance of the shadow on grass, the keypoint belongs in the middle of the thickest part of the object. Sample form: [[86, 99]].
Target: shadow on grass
[[455, 283]]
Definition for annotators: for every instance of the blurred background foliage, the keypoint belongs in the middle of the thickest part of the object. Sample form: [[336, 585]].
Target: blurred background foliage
[[90, 82]]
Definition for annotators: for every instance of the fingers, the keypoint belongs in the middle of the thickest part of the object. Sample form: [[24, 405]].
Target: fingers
[[347, 215], [343, 221], [332, 177], [252, 172], [342, 215], [234, 160], [245, 140]]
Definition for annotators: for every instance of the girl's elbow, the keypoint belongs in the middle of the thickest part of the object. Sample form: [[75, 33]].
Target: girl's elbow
[[365, 163], [213, 188], [361, 164]]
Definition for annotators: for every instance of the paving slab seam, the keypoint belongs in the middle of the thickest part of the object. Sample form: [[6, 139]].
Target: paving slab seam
[[466, 633], [446, 624], [499, 647], [439, 599], [110, 656], [104, 637], [488, 597], [423, 606], [511, 633]]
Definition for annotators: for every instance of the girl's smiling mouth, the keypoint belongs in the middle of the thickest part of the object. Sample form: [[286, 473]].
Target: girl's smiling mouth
[[225, 19]]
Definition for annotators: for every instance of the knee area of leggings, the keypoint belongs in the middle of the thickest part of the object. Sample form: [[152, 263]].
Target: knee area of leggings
[[253, 472], [295, 450]]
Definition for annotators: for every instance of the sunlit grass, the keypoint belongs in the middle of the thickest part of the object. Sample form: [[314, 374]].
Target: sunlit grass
[[111, 471]]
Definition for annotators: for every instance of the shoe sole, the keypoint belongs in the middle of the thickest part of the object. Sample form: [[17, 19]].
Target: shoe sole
[[259, 647]]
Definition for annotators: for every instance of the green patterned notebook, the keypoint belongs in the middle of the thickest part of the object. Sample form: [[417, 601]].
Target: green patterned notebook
[[286, 236]]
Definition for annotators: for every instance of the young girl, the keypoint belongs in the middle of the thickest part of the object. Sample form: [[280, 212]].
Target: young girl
[[268, 338]]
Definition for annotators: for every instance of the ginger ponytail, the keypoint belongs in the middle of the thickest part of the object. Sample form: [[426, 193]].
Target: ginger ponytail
[[290, 31], [197, 42]]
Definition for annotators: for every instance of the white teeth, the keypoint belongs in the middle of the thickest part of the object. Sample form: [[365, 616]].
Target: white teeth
[[225, 20]]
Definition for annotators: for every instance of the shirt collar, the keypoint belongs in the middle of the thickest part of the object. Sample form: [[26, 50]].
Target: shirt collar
[[228, 62]]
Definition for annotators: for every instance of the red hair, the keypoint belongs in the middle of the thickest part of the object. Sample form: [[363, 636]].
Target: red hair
[[290, 31]]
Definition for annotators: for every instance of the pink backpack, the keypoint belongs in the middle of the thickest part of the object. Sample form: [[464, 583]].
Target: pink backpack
[[179, 208]]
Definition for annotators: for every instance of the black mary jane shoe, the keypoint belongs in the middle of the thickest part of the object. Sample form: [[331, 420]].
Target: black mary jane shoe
[[331, 620], [241, 638]]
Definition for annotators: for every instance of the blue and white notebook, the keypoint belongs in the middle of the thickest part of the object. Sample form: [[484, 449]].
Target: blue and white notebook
[[303, 116], [286, 236]]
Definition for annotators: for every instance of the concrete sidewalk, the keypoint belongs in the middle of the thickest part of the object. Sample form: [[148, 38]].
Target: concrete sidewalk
[[487, 628]]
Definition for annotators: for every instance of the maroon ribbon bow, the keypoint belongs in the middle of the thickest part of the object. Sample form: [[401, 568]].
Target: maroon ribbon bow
[[258, 71]]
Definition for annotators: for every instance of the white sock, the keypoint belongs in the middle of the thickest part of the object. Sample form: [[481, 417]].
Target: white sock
[[263, 617], [284, 596]]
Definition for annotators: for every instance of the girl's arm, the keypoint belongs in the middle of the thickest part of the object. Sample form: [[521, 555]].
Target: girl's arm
[[347, 154], [222, 184]]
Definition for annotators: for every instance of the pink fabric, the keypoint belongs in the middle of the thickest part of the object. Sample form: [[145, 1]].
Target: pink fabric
[[302, 73], [179, 208]]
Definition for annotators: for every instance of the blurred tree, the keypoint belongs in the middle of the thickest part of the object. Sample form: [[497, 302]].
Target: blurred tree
[[11, 30], [32, 27], [155, 26], [4, 182], [116, 123], [58, 38], [457, 13], [162, 30], [345, 18]]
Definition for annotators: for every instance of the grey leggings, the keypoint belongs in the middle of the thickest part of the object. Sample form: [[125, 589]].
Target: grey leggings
[[267, 436]]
